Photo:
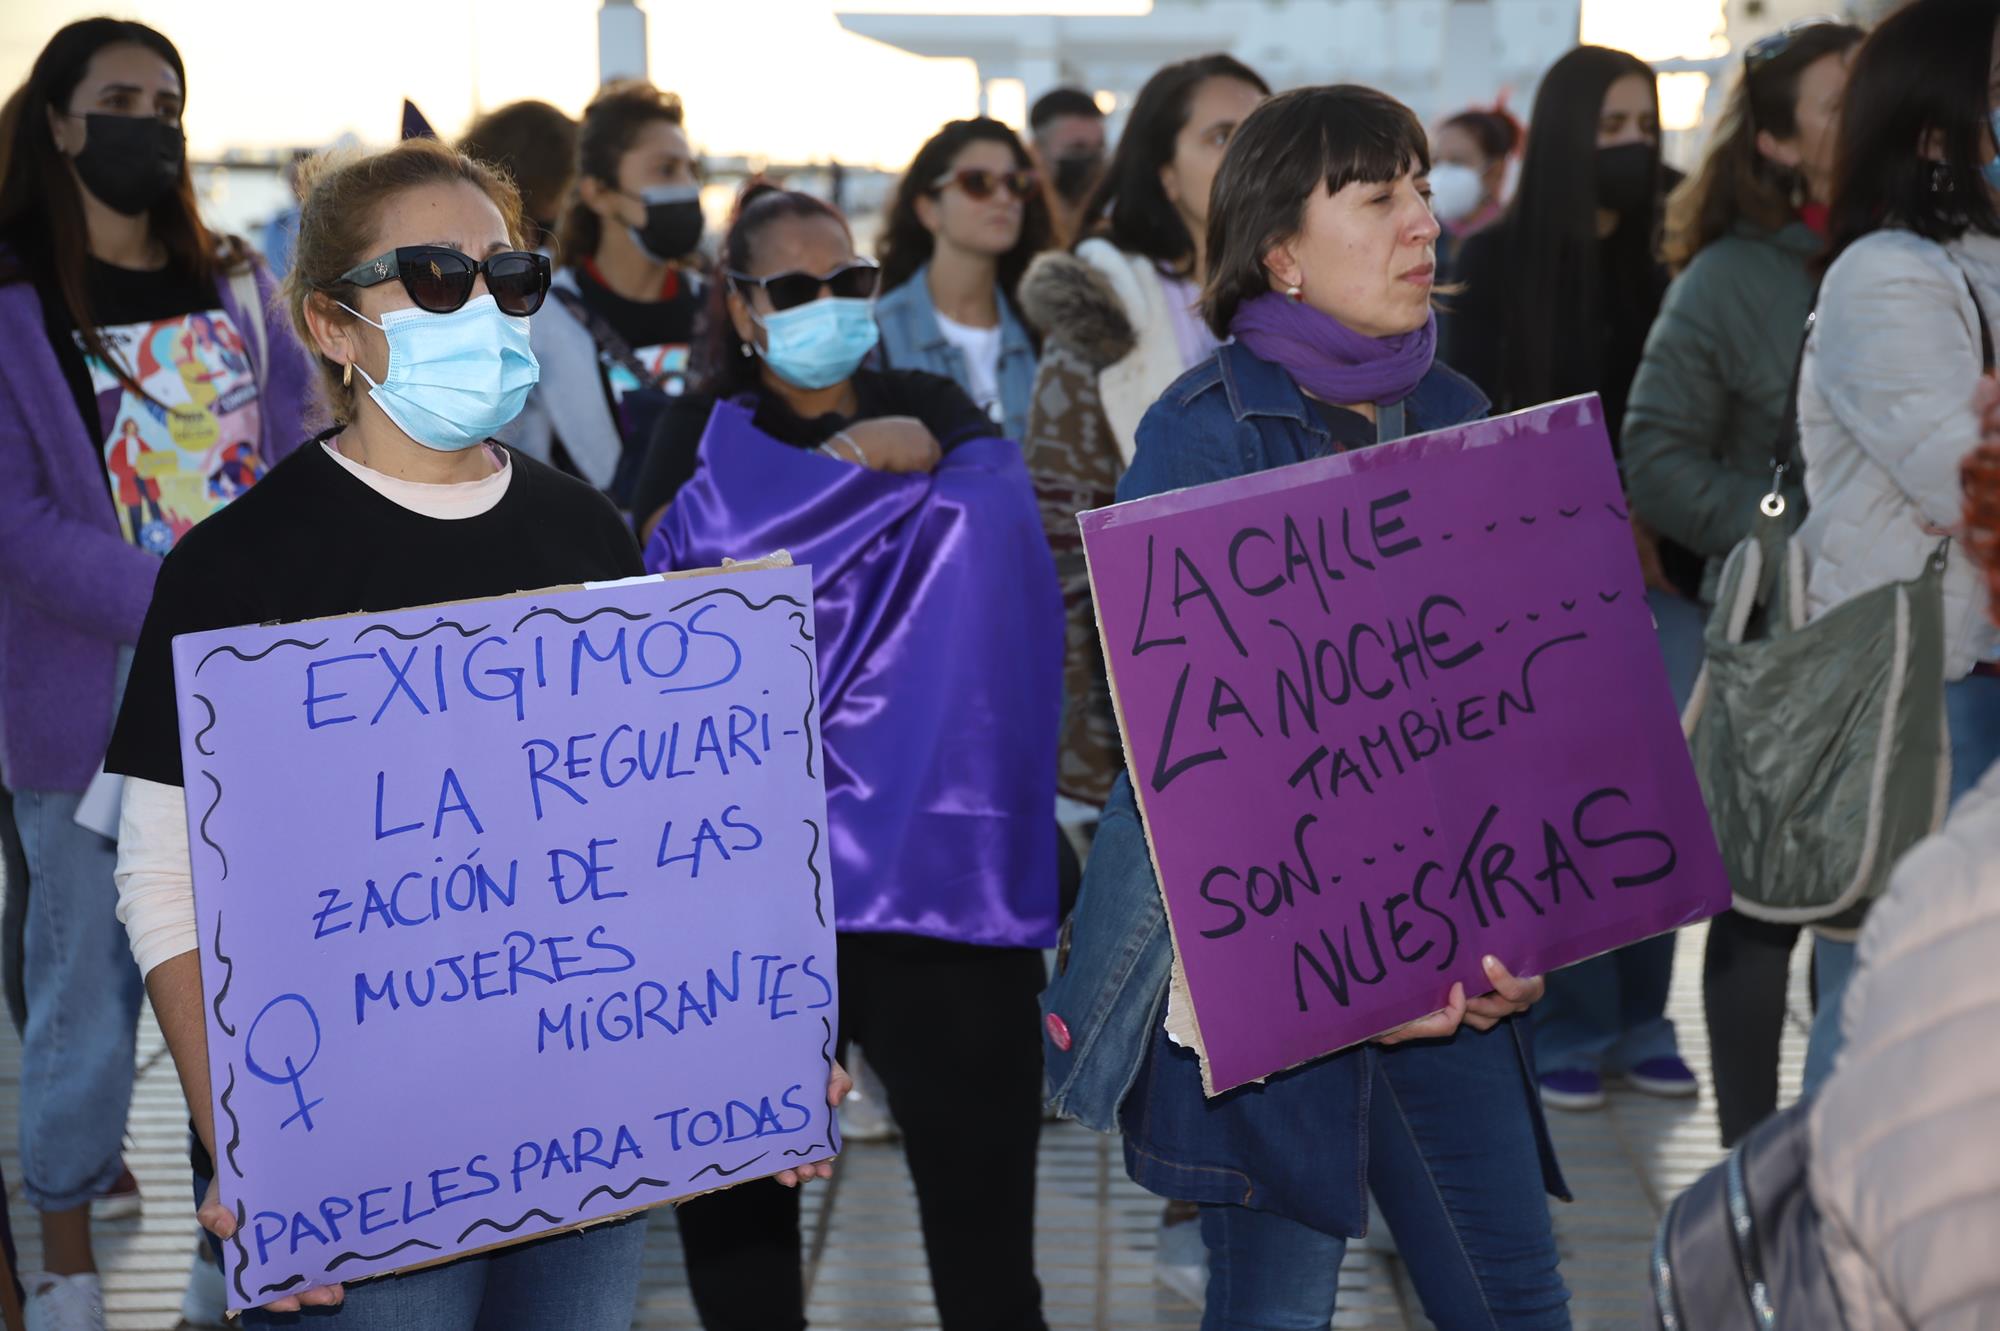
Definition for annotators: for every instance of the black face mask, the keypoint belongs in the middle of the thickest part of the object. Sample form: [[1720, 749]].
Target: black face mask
[[130, 162], [1075, 175], [673, 223], [1628, 178]]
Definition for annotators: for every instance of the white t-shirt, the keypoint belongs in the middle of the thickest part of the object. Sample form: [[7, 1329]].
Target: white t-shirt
[[981, 349]]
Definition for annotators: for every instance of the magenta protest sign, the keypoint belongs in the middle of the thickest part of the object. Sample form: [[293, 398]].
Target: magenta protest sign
[[1389, 712], [514, 915]]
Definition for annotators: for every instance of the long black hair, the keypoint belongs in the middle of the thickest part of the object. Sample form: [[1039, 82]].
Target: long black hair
[[1924, 72], [41, 206], [1130, 207], [730, 366], [907, 245], [1557, 269]]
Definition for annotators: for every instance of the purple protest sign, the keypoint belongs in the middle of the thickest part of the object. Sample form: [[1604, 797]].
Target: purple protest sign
[[514, 915], [1392, 711]]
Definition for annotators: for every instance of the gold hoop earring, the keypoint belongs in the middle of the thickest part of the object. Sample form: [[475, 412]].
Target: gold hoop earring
[[347, 375]]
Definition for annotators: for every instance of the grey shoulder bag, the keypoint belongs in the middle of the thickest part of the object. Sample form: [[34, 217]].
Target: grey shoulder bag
[[1820, 744]]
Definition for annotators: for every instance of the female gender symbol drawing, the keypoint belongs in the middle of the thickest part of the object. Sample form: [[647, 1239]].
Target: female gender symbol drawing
[[294, 1073]]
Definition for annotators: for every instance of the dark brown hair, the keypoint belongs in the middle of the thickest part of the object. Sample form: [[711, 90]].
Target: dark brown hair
[[535, 144], [41, 207], [907, 245], [342, 196], [1735, 182], [610, 126], [1924, 71], [1292, 146], [1129, 207]]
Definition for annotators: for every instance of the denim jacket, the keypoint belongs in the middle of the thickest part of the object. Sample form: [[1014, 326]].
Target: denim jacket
[[912, 340], [1109, 1063]]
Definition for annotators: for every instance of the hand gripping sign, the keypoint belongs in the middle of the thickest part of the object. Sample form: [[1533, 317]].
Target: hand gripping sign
[[1387, 713], [514, 915]]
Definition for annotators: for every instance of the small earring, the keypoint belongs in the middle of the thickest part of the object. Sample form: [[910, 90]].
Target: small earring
[[1295, 294], [749, 352], [1941, 180], [347, 375]]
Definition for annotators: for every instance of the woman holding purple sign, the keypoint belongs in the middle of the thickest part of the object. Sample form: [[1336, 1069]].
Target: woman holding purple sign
[[940, 650], [1322, 264], [411, 286]]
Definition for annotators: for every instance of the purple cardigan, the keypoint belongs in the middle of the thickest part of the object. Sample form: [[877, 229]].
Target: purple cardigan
[[72, 589]]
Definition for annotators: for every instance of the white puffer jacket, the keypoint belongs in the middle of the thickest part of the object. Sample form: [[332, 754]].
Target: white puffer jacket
[[1885, 417], [1906, 1133]]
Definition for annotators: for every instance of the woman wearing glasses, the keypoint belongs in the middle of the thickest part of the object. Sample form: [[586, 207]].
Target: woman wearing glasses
[[969, 214], [1706, 410], [410, 284], [939, 639], [144, 387]]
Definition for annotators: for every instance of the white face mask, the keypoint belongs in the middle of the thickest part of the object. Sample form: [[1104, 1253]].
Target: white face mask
[[1456, 191]]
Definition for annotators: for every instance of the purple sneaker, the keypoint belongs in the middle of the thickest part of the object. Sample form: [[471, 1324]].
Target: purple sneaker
[[1668, 1078], [1573, 1089]]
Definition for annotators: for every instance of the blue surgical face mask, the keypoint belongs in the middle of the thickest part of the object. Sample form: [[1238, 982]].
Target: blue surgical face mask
[[818, 344], [455, 378], [1992, 169]]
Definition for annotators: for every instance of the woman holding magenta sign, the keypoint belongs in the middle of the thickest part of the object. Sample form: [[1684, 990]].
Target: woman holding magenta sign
[[410, 284], [1321, 261]]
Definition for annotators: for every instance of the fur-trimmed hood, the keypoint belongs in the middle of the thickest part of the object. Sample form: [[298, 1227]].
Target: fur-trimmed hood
[[1072, 305]]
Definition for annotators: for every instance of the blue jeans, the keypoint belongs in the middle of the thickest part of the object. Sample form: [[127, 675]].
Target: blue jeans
[[1465, 1205], [1972, 718], [83, 993], [1608, 1014]]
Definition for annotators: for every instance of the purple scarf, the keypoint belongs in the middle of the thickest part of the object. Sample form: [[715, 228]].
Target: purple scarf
[[940, 653], [1330, 360]]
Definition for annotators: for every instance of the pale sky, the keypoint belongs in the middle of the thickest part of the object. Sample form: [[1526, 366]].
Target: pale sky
[[779, 78], [776, 78]]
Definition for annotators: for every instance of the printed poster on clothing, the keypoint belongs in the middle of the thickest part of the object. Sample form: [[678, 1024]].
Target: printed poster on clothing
[[187, 444], [515, 915], [1388, 713]]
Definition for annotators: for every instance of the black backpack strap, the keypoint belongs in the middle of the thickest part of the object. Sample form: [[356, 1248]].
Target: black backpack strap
[[1985, 332], [1773, 504], [611, 346]]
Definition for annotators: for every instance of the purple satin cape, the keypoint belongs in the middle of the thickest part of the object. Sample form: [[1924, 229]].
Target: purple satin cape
[[940, 640]]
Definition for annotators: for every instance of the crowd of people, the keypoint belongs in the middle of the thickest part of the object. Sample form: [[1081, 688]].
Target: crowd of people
[[467, 370]]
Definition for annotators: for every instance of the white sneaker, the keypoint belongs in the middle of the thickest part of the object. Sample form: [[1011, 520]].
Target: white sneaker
[[864, 1114], [63, 1303], [1180, 1262], [206, 1302]]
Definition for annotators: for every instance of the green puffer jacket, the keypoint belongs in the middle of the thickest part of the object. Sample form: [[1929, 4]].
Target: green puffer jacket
[[1707, 402]]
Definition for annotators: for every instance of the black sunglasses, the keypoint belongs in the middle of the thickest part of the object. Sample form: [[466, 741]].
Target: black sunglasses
[[856, 279], [1766, 49], [979, 183], [439, 279]]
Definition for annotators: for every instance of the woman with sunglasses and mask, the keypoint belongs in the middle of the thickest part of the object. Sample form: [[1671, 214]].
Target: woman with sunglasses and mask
[[411, 286], [940, 655], [967, 217], [613, 342], [145, 386], [1321, 259], [1707, 409]]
